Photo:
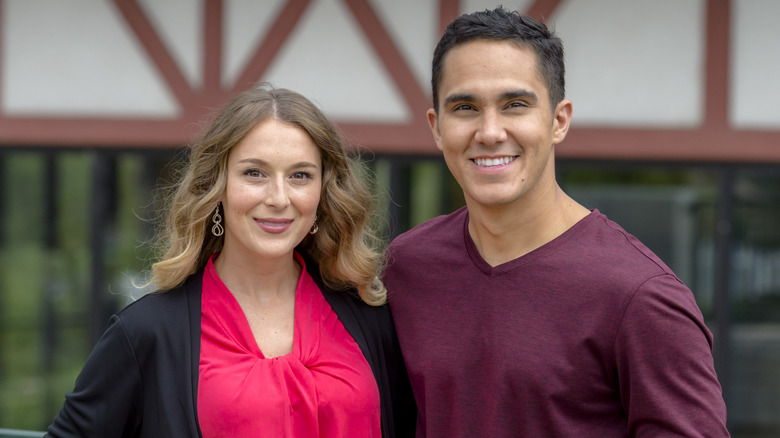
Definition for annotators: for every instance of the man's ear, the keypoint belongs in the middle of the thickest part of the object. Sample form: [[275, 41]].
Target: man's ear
[[561, 120], [433, 122]]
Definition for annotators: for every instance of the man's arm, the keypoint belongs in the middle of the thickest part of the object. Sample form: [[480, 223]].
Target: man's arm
[[666, 373]]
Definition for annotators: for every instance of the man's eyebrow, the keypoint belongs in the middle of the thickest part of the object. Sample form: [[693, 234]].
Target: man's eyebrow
[[508, 95], [460, 97], [518, 94]]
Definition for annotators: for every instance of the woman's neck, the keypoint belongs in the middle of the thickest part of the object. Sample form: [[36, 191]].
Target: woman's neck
[[266, 278]]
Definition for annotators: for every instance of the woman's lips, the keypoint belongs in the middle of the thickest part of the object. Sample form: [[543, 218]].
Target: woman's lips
[[274, 226]]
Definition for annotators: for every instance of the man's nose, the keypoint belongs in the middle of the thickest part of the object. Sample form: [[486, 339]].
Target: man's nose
[[491, 128]]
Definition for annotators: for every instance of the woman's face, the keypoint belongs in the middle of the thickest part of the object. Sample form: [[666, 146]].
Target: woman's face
[[274, 181]]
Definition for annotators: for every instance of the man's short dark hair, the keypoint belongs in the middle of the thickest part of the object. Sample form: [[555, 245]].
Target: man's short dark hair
[[503, 24]]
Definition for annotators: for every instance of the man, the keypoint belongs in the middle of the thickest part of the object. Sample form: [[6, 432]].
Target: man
[[524, 313]]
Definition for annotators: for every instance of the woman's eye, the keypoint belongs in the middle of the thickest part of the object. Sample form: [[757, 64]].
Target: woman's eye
[[254, 173], [301, 175]]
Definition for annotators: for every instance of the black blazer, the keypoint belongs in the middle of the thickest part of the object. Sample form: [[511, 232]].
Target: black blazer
[[141, 378]]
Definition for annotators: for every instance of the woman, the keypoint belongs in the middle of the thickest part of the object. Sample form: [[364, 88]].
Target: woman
[[270, 319]]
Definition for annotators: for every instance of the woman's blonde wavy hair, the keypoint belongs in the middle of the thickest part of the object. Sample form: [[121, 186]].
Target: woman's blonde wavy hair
[[346, 247]]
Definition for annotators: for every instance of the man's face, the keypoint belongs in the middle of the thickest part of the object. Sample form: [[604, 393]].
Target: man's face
[[495, 126]]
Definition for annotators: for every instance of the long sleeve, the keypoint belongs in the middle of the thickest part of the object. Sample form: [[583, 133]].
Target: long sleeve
[[668, 384], [106, 401], [141, 378]]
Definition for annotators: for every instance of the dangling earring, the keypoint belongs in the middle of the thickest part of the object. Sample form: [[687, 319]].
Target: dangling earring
[[217, 230], [314, 227]]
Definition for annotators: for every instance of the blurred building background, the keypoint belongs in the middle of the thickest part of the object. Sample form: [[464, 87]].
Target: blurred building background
[[676, 135]]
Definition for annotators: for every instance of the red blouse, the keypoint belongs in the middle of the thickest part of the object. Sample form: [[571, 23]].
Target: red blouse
[[323, 388]]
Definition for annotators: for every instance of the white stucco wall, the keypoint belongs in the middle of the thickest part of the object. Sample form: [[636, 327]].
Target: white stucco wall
[[755, 67], [631, 63], [634, 62], [75, 57]]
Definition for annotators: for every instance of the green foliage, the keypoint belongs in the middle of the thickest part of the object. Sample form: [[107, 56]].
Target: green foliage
[[46, 258], [45, 272]]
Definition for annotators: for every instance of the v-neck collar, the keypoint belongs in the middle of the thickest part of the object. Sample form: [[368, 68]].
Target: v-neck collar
[[499, 270]]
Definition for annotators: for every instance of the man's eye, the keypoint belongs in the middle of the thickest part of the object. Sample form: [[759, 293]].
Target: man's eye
[[463, 107]]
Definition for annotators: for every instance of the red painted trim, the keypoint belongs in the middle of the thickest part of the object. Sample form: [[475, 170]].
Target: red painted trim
[[717, 41], [2, 68], [714, 141], [542, 10], [155, 48], [212, 46], [390, 138], [675, 145], [277, 35], [92, 132], [396, 65], [391, 57], [586, 143], [193, 104], [448, 11]]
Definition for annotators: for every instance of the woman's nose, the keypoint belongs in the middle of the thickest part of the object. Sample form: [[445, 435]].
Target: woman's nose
[[277, 193]]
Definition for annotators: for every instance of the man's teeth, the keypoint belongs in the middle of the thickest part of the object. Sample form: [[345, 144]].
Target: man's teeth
[[493, 161]]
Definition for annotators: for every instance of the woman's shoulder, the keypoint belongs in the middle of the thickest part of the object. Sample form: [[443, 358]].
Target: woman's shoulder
[[365, 322], [171, 308], [354, 313], [349, 299]]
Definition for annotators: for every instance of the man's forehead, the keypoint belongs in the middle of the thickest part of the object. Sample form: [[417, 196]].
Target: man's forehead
[[495, 68], [489, 53]]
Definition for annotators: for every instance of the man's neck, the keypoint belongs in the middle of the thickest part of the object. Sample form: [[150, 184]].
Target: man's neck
[[504, 233]]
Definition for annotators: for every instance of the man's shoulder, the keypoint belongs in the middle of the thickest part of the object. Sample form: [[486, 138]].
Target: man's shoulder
[[440, 228], [626, 243], [604, 246]]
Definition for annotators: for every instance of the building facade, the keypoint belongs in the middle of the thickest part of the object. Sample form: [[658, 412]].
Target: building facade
[[675, 134]]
